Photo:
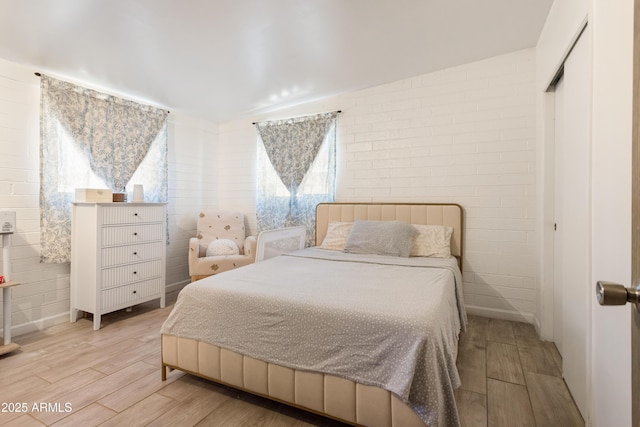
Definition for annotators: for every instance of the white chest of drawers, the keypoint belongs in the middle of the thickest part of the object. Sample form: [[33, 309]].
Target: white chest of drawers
[[118, 256]]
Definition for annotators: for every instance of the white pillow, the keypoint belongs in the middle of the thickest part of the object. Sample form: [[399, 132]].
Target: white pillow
[[432, 240], [222, 247], [337, 234]]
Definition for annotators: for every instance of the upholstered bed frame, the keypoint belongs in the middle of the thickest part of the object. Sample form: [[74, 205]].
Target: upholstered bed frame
[[328, 395], [412, 213]]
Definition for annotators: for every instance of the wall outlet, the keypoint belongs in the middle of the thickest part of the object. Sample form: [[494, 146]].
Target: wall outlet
[[7, 222]]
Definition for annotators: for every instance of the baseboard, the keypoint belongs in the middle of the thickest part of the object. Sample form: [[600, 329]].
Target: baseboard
[[177, 287], [537, 326], [38, 325], [497, 313]]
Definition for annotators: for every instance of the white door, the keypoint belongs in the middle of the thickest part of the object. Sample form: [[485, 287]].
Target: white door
[[635, 223], [573, 218], [616, 330], [614, 171]]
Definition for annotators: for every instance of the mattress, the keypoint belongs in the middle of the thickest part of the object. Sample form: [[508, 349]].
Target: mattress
[[385, 322]]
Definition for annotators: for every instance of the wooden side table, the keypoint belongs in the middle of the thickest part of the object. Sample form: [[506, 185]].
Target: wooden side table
[[6, 295], [6, 307]]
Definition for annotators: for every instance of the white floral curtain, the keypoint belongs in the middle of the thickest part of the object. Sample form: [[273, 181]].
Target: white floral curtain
[[90, 139], [296, 170]]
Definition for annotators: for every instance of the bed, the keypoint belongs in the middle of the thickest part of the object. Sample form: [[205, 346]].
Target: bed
[[379, 350]]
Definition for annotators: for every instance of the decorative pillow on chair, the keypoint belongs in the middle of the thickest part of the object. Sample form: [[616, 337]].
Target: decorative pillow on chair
[[222, 247]]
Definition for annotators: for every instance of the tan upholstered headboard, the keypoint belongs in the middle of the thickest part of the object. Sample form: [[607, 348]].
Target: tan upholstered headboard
[[413, 213]]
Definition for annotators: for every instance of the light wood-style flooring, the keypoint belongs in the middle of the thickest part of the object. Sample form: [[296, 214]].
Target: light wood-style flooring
[[511, 378], [70, 375]]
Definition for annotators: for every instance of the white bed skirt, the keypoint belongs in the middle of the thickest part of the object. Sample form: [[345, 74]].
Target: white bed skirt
[[324, 394]]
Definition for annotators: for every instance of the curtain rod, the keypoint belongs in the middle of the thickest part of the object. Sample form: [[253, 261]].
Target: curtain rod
[[40, 75], [339, 111]]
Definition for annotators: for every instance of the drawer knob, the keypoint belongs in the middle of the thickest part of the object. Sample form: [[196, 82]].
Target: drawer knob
[[135, 292], [135, 234], [135, 253], [135, 272], [135, 214]]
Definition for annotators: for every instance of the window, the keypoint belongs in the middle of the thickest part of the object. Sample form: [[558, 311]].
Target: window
[[296, 171], [93, 140]]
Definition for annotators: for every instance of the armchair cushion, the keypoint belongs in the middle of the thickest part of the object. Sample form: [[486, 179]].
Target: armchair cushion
[[217, 264]]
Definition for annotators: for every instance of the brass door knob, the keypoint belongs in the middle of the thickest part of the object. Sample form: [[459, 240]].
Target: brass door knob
[[609, 293]]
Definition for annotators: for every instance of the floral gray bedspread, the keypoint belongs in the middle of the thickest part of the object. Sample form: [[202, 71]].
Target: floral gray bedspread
[[382, 321]]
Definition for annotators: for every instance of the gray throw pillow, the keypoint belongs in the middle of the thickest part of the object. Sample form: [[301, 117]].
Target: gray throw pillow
[[393, 238]]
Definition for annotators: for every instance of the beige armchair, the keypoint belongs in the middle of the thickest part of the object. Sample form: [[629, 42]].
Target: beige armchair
[[221, 227]]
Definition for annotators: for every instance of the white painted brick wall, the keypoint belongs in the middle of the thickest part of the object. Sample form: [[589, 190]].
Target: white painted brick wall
[[192, 185], [237, 170], [42, 299], [463, 135], [44, 291]]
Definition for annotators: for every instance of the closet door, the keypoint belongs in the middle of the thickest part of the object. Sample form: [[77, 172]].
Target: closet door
[[559, 170], [572, 277]]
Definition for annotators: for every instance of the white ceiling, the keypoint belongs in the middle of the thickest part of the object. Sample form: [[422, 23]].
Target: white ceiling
[[226, 59]]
